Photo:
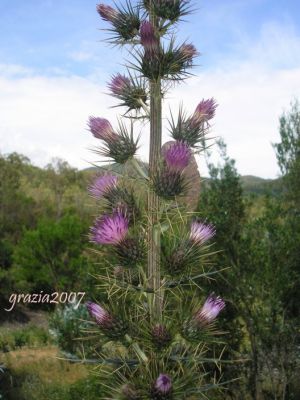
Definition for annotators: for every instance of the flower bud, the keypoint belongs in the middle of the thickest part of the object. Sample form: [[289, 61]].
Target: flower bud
[[119, 84], [204, 112], [161, 337], [130, 252], [132, 94], [168, 183], [102, 317], [187, 53], [102, 129], [111, 327], [168, 9], [107, 13], [162, 388], [148, 39]]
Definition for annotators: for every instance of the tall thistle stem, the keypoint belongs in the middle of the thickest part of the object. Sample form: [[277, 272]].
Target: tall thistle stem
[[153, 199]]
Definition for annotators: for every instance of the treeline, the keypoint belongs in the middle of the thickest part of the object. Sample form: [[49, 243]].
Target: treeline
[[259, 241], [44, 220]]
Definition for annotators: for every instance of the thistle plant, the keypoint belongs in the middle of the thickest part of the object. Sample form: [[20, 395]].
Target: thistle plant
[[154, 252]]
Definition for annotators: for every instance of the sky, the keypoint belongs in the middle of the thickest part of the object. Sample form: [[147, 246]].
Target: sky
[[55, 65]]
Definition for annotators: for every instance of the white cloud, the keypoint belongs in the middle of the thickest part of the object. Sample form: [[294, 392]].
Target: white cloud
[[44, 117], [81, 56]]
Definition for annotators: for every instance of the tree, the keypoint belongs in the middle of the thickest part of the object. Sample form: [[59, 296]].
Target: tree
[[16, 213], [288, 152], [260, 281], [51, 257]]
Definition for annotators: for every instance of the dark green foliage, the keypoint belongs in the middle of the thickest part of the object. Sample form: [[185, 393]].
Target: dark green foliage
[[259, 285], [29, 336], [51, 256], [288, 151]]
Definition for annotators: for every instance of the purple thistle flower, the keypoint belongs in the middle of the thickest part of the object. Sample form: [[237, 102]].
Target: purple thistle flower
[[119, 84], [163, 384], [102, 185], [188, 52], [101, 316], [210, 310], [109, 229], [201, 233], [177, 156], [148, 38], [102, 129], [107, 13], [204, 112]]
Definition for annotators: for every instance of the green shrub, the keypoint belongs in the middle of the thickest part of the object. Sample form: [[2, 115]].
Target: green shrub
[[86, 389], [66, 326]]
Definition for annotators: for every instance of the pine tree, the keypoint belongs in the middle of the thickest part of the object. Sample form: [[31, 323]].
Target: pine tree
[[155, 322]]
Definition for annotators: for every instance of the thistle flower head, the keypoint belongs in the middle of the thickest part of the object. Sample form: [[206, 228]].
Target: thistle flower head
[[101, 316], [107, 13], [177, 156], [204, 112], [168, 9], [102, 129], [210, 310], [111, 326], [200, 232], [163, 384], [130, 251], [148, 38], [109, 229], [161, 336], [188, 52], [168, 183], [103, 185], [119, 84]]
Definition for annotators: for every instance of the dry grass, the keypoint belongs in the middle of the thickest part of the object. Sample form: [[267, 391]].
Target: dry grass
[[44, 363]]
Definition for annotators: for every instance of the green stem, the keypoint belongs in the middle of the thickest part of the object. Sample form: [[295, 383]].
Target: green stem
[[138, 168], [137, 349], [153, 199]]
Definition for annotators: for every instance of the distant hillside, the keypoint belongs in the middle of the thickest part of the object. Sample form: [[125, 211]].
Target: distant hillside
[[255, 185], [252, 185]]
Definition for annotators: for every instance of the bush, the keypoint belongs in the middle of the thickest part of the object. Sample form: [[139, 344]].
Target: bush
[[66, 326]]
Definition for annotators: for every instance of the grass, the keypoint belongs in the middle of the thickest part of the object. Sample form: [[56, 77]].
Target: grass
[[29, 335], [34, 374], [33, 370], [44, 363]]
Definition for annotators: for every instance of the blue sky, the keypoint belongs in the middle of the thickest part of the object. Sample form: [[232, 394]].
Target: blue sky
[[56, 46]]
